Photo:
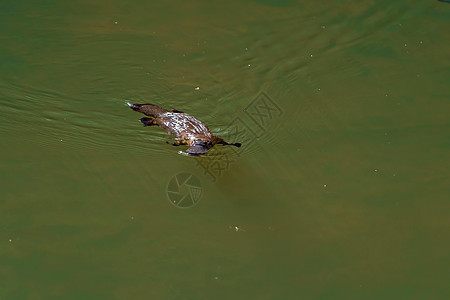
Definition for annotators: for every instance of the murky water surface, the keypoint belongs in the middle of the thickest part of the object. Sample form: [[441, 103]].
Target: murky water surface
[[340, 190]]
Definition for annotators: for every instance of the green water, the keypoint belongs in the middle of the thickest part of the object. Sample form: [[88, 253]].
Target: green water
[[341, 187]]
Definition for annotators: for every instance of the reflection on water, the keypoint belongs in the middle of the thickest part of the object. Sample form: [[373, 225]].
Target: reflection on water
[[339, 189]]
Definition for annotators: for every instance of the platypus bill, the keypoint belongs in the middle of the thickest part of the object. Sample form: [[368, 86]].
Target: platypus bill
[[186, 129]]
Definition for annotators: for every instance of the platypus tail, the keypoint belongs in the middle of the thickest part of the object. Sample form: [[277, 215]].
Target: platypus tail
[[222, 142], [150, 110]]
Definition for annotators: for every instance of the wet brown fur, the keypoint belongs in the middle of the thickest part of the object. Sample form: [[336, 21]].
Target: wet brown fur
[[187, 129]]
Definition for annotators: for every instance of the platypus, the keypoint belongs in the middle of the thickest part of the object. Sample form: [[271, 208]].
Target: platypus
[[186, 129]]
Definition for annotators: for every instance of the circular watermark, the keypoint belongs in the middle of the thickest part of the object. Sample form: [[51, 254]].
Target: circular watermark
[[184, 190]]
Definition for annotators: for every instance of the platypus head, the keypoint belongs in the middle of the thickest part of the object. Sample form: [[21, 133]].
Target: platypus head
[[199, 148], [148, 109]]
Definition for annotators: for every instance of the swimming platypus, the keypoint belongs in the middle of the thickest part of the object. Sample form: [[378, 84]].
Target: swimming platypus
[[186, 129]]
